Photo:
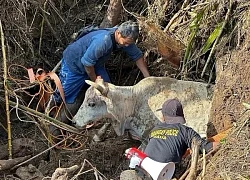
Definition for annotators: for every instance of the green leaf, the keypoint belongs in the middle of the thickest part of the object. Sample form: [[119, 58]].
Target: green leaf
[[194, 26], [223, 141], [211, 38]]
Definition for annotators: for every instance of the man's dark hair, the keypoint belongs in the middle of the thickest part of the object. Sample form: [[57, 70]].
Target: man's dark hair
[[129, 29]]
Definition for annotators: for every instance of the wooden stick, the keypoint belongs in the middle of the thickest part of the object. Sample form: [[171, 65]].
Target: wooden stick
[[45, 117], [6, 92], [194, 159], [41, 30], [208, 154], [57, 66], [204, 163]]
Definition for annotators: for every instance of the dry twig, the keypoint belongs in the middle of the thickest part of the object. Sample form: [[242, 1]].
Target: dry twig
[[194, 160], [204, 163], [207, 155], [6, 91], [98, 175]]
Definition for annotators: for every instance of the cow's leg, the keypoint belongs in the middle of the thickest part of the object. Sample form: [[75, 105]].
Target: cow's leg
[[134, 126], [129, 124], [99, 136]]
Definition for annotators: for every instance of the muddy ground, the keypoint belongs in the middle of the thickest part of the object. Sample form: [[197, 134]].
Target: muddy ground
[[230, 91]]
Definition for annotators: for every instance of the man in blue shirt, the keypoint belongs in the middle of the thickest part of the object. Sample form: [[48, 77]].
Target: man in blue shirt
[[85, 58]]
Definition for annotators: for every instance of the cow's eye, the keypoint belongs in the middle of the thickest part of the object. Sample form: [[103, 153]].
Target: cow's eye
[[91, 104]]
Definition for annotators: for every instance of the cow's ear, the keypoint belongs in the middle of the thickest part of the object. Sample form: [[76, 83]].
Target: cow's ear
[[95, 85]]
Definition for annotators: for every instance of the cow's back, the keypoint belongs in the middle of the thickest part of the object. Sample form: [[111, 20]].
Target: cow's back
[[152, 92]]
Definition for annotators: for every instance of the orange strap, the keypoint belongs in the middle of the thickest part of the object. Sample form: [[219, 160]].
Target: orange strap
[[31, 75], [220, 136], [58, 83], [41, 75]]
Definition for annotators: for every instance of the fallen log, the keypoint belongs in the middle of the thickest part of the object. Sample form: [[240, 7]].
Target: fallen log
[[113, 14]]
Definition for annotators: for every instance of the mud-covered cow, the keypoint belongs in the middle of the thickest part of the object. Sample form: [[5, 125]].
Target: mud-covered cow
[[134, 107]]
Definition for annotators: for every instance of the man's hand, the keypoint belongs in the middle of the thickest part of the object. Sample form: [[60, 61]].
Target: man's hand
[[141, 64], [90, 70], [135, 156]]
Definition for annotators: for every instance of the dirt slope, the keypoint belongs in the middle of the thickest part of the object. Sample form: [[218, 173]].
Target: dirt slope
[[231, 90]]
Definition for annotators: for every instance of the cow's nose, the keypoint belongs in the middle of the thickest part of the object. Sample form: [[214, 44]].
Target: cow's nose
[[91, 104]]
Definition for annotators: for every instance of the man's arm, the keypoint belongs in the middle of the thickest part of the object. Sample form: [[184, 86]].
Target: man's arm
[[141, 64], [90, 70], [96, 50], [208, 146], [136, 55]]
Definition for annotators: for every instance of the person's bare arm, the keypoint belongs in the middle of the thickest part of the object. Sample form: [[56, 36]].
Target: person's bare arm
[[141, 64], [90, 70]]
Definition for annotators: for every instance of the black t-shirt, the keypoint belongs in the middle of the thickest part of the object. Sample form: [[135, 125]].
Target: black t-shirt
[[169, 142]]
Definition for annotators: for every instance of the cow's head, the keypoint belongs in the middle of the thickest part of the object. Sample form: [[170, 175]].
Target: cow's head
[[105, 100], [94, 105]]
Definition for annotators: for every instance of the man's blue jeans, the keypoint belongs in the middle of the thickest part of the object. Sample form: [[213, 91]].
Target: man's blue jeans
[[72, 82]]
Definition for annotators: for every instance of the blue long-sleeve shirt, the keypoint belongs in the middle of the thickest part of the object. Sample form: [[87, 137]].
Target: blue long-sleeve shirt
[[94, 49]]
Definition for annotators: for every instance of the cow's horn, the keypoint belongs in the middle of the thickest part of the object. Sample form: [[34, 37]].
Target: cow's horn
[[97, 86]]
